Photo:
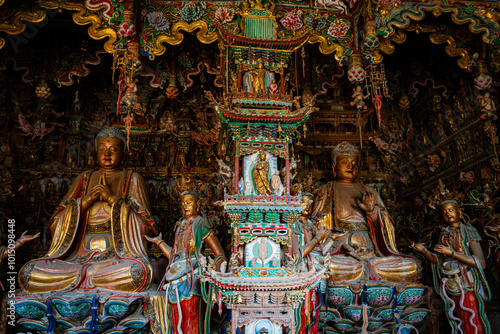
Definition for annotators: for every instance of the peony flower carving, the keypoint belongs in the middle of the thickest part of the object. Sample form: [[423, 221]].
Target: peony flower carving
[[292, 21], [191, 12], [158, 20], [224, 14]]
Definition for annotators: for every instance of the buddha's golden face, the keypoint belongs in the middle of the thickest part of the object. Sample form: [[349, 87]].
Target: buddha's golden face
[[110, 152], [190, 208], [451, 213], [347, 168]]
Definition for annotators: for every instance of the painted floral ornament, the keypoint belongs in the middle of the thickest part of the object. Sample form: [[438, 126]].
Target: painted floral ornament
[[191, 12], [126, 30], [338, 28], [42, 91], [356, 73], [224, 15], [483, 80], [467, 177], [292, 21], [371, 41], [158, 20]]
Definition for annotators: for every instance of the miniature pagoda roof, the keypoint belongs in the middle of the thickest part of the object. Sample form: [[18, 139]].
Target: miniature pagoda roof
[[283, 116], [285, 44], [297, 281]]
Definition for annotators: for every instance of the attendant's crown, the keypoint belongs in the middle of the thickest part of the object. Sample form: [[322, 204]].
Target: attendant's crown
[[184, 184], [441, 196]]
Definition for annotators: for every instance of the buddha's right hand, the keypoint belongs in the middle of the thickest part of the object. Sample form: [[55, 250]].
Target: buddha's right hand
[[89, 199]]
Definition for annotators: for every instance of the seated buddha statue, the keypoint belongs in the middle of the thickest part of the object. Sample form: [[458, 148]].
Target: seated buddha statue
[[368, 249], [97, 230]]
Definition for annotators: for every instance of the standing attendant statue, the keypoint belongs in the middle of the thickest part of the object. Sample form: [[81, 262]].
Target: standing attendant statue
[[458, 267], [182, 277], [306, 246]]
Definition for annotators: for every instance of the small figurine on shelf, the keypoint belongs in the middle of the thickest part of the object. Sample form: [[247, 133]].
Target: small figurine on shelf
[[181, 279], [276, 184], [260, 174], [130, 96], [89, 161], [181, 158], [458, 272], [149, 159], [241, 186], [487, 106], [359, 98], [259, 78], [234, 82], [273, 88]]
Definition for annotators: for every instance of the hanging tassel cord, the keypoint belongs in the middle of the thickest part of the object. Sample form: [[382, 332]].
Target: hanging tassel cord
[[93, 324], [50, 317], [364, 307], [315, 310], [120, 91], [452, 308], [173, 285]]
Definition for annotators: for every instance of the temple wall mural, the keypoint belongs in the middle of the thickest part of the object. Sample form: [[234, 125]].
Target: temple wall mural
[[253, 166]]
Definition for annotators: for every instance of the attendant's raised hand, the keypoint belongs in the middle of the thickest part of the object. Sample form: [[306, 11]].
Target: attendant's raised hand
[[156, 240]]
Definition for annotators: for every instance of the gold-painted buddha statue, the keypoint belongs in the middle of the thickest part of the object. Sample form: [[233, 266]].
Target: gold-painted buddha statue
[[368, 250], [97, 230]]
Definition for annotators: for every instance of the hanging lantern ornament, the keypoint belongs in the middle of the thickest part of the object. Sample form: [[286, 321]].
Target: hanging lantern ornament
[[42, 91], [371, 41], [483, 80], [356, 73], [404, 102], [376, 85], [172, 91]]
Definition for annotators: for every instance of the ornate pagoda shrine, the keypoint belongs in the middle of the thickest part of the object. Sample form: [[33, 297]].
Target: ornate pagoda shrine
[[263, 286]]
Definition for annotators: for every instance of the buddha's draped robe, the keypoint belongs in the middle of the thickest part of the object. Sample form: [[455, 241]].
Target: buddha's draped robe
[[101, 247]]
